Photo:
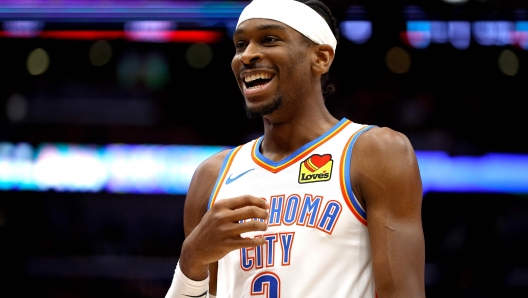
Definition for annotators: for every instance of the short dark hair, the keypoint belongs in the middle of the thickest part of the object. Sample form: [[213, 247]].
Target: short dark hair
[[327, 15]]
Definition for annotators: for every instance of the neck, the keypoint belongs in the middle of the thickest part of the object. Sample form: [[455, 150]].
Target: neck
[[284, 135]]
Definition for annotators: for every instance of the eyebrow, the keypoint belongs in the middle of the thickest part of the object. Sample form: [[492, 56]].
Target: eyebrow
[[263, 27]]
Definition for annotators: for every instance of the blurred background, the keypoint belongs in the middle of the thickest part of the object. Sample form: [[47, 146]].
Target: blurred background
[[107, 107]]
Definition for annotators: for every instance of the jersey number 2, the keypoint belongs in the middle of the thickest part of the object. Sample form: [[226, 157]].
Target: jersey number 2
[[267, 284]]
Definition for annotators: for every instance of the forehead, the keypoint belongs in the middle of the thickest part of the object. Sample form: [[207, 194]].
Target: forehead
[[260, 25]]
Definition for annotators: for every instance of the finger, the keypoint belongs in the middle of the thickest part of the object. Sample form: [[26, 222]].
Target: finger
[[248, 212], [247, 226], [240, 242], [243, 201]]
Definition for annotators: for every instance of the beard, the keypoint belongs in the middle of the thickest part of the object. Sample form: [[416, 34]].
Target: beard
[[263, 110]]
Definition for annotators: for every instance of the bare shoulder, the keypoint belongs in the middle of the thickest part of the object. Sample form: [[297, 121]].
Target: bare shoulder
[[202, 184], [210, 167], [385, 141], [384, 162]]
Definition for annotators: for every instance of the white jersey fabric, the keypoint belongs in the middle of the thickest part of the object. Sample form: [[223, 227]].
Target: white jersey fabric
[[317, 243]]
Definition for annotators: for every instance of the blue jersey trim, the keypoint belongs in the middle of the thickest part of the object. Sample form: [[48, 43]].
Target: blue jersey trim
[[348, 183], [272, 163], [220, 177]]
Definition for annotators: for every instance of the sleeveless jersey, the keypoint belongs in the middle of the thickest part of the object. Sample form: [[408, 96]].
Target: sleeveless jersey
[[317, 243]]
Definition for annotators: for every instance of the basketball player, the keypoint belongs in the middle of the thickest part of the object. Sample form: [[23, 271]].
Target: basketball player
[[317, 206]]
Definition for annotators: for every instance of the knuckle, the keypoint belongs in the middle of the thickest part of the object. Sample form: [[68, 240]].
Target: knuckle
[[258, 241], [253, 224], [221, 230], [252, 212], [218, 218], [218, 205], [256, 225]]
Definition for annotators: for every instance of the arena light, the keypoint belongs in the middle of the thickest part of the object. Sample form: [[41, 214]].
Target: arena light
[[120, 11], [357, 31], [521, 34], [493, 33], [456, 1], [493, 172], [177, 36], [418, 34], [27, 29], [167, 169], [459, 33], [82, 34], [116, 168], [418, 28], [439, 32], [356, 27], [151, 31]]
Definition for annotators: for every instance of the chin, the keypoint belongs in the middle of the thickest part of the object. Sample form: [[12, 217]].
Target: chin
[[262, 109]]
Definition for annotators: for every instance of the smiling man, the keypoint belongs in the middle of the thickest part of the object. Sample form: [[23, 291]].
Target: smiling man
[[316, 207]]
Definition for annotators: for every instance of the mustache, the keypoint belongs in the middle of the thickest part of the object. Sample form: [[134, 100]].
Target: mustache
[[256, 66]]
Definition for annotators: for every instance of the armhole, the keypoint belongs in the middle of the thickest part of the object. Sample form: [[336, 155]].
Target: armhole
[[346, 184], [221, 175]]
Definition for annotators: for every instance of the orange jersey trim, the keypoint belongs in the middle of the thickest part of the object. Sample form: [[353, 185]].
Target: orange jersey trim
[[222, 175], [301, 153], [344, 177]]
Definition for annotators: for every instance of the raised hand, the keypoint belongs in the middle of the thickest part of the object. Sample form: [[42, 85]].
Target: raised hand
[[219, 232]]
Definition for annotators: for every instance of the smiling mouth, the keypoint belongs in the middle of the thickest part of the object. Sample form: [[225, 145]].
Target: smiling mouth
[[257, 80]]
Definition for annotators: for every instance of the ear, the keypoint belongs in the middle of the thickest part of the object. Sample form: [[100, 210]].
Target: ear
[[324, 56]]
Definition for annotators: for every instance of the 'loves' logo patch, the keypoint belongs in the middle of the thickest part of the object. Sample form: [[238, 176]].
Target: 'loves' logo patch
[[315, 162], [316, 168]]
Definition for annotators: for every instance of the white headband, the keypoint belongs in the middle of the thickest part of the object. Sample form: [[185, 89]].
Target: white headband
[[297, 15]]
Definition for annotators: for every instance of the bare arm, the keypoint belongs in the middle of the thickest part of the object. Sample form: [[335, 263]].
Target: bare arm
[[212, 234], [387, 180]]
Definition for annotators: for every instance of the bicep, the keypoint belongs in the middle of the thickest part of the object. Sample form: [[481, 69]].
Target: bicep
[[390, 186], [197, 200]]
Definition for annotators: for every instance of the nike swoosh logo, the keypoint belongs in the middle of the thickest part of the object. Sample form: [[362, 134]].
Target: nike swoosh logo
[[229, 179], [203, 295]]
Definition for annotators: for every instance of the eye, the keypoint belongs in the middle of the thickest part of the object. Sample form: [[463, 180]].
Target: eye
[[269, 39], [240, 44]]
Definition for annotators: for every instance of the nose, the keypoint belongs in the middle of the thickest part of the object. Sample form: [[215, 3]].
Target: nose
[[251, 54]]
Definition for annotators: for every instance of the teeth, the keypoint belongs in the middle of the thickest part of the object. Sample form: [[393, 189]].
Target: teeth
[[257, 76]]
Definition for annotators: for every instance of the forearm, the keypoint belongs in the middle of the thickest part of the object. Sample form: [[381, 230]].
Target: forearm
[[191, 268], [399, 270]]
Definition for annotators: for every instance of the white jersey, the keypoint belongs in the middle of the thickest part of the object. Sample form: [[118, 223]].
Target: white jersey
[[317, 243]]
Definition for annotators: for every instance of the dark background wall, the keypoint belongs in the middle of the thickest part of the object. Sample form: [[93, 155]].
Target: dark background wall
[[60, 244]]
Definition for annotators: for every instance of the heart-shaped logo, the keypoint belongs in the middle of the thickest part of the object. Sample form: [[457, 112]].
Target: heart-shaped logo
[[317, 161]]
